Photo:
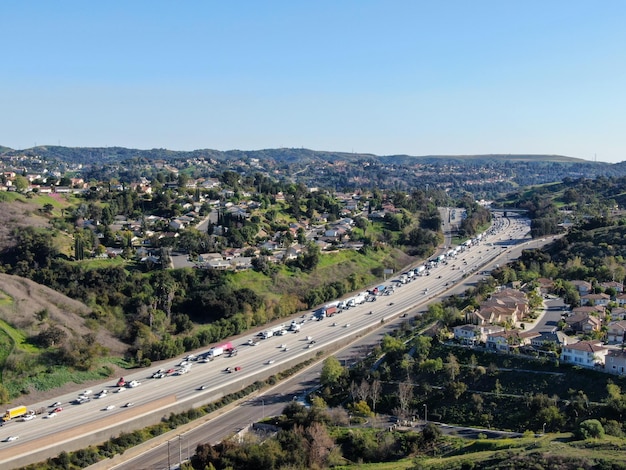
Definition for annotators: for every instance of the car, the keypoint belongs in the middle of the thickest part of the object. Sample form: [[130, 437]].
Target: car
[[346, 325], [55, 404], [109, 408], [270, 361], [129, 404], [170, 371], [282, 346], [285, 349], [237, 369], [52, 414], [120, 390], [58, 409], [312, 341], [11, 438], [28, 417], [227, 369], [87, 392], [202, 387]]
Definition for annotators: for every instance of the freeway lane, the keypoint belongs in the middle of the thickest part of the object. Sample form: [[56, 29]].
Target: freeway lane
[[252, 359]]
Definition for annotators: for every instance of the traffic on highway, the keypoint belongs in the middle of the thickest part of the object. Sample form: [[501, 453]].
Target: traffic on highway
[[233, 364]]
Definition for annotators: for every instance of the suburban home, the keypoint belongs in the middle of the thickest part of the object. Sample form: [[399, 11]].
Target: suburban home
[[584, 353], [615, 362], [506, 341], [472, 334], [583, 322], [547, 339], [615, 332], [618, 313], [583, 287], [616, 286], [595, 299], [508, 306], [545, 285], [621, 300]]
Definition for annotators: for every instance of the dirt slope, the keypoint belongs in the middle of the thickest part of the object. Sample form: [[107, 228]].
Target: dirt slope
[[29, 298]]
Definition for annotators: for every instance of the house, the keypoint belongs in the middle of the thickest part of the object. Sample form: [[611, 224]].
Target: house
[[616, 286], [508, 340], [507, 306], [545, 285], [618, 313], [583, 322], [615, 362], [595, 299], [547, 339], [583, 287], [615, 332], [177, 224], [621, 300], [584, 353], [472, 334]]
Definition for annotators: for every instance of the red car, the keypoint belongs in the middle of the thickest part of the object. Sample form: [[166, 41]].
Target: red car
[[58, 409], [121, 382]]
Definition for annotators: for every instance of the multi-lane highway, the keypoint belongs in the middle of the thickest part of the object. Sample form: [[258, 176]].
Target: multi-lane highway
[[206, 380]]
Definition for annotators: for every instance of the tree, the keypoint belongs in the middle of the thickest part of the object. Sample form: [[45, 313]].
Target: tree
[[591, 429], [20, 183], [375, 390], [405, 395], [452, 367], [332, 371]]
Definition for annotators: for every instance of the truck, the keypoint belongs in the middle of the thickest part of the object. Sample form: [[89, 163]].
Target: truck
[[219, 350], [420, 270], [378, 290], [273, 331], [294, 327], [330, 311], [404, 279], [15, 412]]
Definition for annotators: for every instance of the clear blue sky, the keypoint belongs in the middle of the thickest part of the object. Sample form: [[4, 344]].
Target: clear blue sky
[[384, 77]]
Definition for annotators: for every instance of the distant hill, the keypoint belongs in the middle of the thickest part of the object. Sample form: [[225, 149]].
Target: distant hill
[[113, 154]]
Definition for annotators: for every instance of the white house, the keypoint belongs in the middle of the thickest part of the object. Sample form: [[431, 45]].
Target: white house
[[584, 353]]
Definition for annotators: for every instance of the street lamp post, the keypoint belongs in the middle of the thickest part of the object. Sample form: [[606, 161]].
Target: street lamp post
[[544, 428], [425, 413], [263, 406]]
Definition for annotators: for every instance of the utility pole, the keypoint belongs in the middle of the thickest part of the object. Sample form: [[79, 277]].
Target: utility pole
[[169, 463]]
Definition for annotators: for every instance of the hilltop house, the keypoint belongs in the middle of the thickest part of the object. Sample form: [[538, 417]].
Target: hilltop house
[[584, 353]]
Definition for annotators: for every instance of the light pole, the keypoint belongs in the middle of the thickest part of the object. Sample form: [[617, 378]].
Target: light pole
[[425, 413], [180, 450], [544, 428], [169, 463], [263, 406]]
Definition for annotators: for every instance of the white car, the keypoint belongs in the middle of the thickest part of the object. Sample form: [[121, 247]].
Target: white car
[[120, 390], [11, 438], [52, 414], [28, 417], [271, 361], [55, 404], [109, 408], [129, 404]]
